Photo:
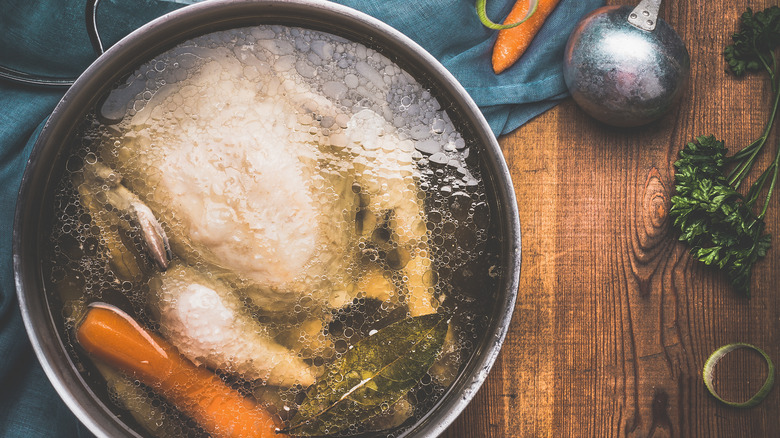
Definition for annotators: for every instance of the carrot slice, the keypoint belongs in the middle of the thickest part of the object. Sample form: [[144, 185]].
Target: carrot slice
[[512, 43], [114, 337]]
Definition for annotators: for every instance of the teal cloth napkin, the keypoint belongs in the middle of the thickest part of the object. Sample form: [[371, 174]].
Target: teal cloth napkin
[[48, 37]]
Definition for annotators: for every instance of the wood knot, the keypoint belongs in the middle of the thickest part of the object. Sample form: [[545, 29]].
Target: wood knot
[[654, 210], [660, 412], [649, 241]]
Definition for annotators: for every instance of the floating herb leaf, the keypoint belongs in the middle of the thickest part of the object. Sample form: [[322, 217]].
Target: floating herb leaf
[[372, 376]]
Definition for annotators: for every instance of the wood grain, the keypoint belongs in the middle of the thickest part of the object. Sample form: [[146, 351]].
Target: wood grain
[[614, 320]]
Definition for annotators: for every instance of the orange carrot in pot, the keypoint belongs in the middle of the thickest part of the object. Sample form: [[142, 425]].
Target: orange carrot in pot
[[114, 337], [512, 43]]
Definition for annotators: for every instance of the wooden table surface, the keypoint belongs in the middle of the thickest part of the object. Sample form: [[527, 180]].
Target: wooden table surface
[[614, 319]]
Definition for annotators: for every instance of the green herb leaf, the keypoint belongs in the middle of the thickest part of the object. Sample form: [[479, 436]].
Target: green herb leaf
[[712, 216], [758, 36], [714, 219], [371, 377]]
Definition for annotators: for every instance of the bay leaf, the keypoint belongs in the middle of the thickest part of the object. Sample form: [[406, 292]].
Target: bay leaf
[[370, 377]]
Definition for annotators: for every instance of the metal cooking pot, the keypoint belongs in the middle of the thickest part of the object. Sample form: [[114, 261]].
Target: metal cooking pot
[[46, 163]]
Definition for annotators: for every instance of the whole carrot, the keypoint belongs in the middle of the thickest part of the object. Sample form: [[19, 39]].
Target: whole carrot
[[512, 43], [114, 337]]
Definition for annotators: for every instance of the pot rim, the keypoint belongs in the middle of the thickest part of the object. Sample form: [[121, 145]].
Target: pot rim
[[188, 22]]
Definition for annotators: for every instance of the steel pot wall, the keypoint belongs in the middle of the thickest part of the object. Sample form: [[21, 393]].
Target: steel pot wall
[[165, 32]]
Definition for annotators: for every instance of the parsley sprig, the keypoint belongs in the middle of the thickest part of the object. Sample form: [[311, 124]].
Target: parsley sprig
[[716, 220]]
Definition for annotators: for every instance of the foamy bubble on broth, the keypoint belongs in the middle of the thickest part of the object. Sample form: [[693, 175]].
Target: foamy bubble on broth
[[409, 148]]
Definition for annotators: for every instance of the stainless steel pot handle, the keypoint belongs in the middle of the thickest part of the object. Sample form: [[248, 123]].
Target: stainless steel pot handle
[[90, 14], [24, 78]]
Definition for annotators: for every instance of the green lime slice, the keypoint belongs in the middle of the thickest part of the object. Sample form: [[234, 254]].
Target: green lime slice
[[717, 355], [488, 23]]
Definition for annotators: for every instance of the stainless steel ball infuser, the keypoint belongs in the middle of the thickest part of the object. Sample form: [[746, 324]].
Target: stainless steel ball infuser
[[625, 66]]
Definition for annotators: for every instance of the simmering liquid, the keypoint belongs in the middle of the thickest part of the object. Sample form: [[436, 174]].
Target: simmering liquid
[[310, 192]]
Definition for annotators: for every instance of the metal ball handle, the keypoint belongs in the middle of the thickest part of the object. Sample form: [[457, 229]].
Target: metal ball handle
[[625, 66]]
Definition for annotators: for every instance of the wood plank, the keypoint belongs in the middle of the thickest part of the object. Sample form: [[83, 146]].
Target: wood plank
[[614, 319]]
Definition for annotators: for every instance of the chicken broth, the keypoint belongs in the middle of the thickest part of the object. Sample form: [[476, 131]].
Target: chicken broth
[[267, 200]]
